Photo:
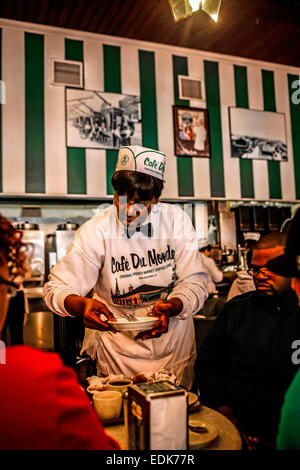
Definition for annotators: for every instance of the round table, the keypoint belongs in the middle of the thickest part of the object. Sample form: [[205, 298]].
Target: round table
[[228, 436]]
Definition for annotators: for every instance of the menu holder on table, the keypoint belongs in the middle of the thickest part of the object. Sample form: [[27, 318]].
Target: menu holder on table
[[153, 410]]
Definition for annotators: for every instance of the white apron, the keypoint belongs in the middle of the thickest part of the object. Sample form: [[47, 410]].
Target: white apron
[[127, 273]]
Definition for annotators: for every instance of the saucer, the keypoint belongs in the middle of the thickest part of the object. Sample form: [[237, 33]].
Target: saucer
[[200, 440], [192, 398]]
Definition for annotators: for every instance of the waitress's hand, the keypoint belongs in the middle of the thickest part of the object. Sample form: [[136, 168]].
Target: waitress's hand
[[163, 310], [91, 310], [93, 316]]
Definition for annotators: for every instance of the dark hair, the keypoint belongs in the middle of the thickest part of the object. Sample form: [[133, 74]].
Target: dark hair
[[127, 183], [250, 243], [12, 249], [271, 240]]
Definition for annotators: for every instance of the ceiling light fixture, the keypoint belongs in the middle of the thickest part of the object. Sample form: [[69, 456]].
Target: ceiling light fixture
[[182, 9]]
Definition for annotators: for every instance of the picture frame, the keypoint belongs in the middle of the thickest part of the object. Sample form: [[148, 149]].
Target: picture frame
[[257, 134], [100, 120], [191, 132]]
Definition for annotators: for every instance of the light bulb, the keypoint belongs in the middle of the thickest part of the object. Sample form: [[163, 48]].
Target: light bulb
[[215, 17], [195, 4]]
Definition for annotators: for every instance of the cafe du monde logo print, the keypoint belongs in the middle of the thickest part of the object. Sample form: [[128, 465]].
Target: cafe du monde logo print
[[143, 160], [124, 159]]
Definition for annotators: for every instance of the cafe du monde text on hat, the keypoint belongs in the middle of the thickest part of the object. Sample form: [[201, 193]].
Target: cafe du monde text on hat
[[141, 159]]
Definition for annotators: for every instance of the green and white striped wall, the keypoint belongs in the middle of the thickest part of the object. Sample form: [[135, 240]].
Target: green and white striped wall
[[33, 154]]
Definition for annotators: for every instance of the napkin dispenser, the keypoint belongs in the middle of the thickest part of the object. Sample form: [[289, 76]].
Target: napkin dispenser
[[157, 416]]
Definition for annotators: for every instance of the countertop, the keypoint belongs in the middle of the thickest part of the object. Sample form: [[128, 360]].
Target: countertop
[[228, 437]]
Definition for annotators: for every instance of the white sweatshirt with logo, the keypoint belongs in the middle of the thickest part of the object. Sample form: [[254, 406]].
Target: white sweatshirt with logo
[[130, 274]]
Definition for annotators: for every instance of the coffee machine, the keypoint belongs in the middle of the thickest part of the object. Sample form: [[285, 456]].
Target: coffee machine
[[59, 242], [64, 236], [35, 240], [36, 327], [68, 331]]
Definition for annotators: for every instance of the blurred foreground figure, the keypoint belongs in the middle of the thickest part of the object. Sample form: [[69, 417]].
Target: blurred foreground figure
[[42, 406]]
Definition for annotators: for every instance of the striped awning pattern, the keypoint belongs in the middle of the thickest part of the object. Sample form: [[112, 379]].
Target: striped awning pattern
[[33, 154]]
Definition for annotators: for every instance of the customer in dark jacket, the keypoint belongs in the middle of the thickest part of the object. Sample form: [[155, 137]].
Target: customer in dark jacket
[[288, 265], [244, 365]]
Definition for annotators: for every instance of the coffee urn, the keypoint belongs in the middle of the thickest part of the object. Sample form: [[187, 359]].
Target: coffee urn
[[68, 331], [35, 238], [64, 236]]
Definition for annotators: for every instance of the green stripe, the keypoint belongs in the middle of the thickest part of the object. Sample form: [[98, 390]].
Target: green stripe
[[180, 67], [148, 99], [73, 50], [76, 170], [34, 114], [76, 160], [112, 84], [112, 70], [295, 120], [270, 105], [241, 98], [212, 86], [1, 91], [185, 174]]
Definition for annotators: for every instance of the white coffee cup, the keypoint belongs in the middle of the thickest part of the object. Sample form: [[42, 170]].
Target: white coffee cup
[[108, 404], [121, 385]]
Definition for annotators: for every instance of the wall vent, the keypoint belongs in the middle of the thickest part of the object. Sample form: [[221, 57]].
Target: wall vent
[[191, 88], [67, 72]]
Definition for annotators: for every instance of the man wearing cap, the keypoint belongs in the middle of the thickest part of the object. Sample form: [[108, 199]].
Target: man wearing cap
[[288, 264], [244, 365], [134, 253]]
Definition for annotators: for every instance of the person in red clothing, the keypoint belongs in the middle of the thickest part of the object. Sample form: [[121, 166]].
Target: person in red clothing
[[42, 406]]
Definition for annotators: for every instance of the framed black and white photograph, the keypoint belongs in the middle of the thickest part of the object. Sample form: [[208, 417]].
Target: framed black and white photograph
[[258, 134], [96, 119], [191, 132]]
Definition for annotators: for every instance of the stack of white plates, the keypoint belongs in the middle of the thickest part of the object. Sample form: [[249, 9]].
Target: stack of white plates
[[143, 323]]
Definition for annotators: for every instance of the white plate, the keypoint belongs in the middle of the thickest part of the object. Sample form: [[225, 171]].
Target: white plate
[[92, 390], [143, 323], [200, 440]]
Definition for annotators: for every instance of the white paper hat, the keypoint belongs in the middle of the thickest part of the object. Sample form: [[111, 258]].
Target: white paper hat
[[251, 236], [144, 160]]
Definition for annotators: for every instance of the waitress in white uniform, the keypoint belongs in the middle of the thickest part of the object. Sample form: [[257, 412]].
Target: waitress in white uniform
[[132, 253]]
